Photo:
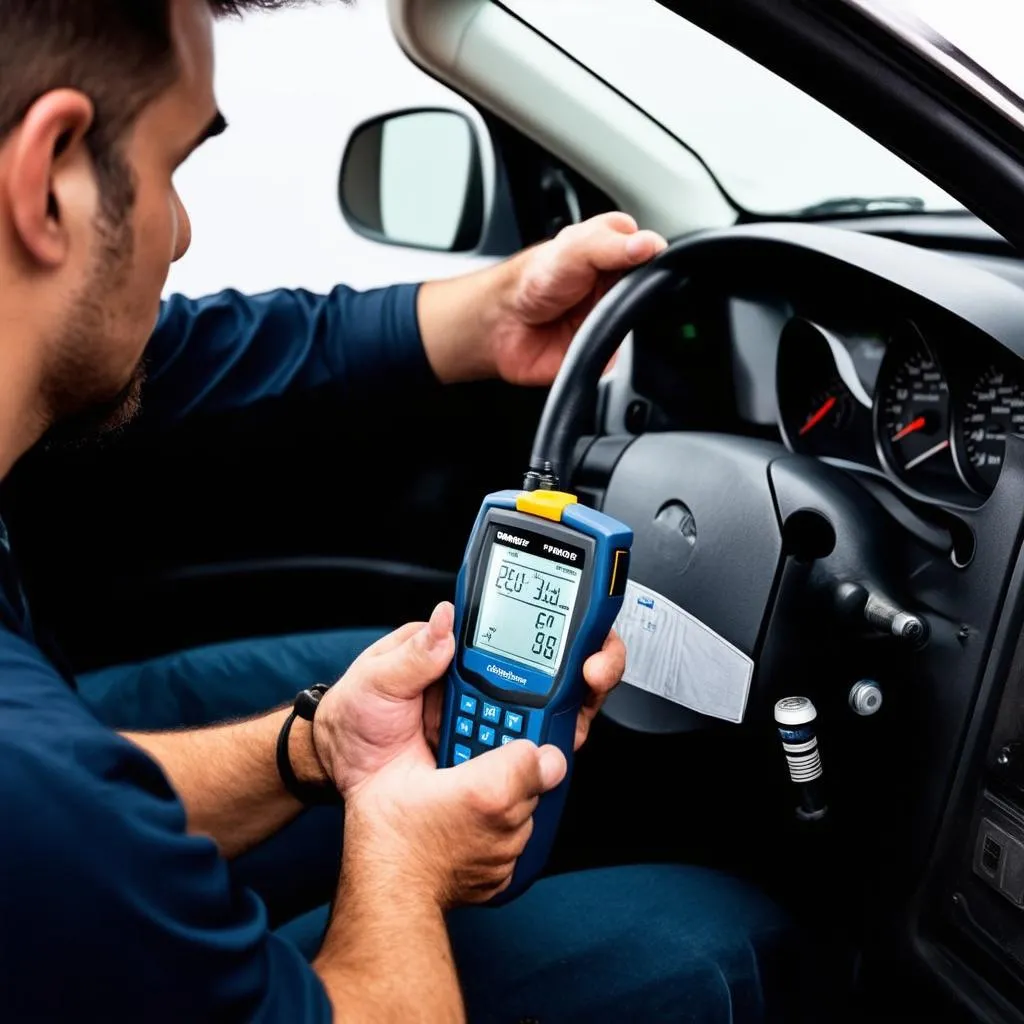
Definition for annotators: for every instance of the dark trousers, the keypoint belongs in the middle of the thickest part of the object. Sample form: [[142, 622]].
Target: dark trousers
[[643, 943]]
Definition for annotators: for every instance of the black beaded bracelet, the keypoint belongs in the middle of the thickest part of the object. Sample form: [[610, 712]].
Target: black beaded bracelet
[[308, 793]]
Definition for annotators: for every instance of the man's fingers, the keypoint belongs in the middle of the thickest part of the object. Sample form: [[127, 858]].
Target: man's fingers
[[586, 716], [412, 658], [392, 640], [504, 785], [566, 271], [616, 220], [603, 671], [607, 247], [433, 705]]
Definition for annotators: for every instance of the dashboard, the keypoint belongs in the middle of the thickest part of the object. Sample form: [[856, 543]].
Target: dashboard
[[895, 377], [925, 408], [880, 384]]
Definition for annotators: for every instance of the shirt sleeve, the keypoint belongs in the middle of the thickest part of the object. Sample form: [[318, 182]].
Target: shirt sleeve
[[109, 909], [229, 350]]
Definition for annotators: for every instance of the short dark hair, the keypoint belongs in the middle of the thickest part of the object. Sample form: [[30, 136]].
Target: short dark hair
[[117, 52]]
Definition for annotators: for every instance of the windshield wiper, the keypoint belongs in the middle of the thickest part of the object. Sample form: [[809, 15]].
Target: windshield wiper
[[862, 204]]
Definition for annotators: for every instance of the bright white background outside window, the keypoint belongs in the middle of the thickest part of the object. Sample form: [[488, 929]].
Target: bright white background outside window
[[774, 148], [990, 32], [264, 197], [294, 84]]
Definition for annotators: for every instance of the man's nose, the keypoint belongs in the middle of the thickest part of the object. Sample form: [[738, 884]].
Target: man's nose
[[183, 235]]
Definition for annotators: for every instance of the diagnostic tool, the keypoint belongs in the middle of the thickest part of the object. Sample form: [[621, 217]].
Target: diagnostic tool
[[540, 586]]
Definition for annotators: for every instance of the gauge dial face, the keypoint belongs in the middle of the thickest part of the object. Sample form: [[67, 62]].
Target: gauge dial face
[[913, 414], [819, 414], [993, 410], [830, 411]]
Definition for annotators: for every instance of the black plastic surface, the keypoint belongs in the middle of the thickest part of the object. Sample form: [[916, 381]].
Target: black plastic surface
[[958, 916], [722, 568]]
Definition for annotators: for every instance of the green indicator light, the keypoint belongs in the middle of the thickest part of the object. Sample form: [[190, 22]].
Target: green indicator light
[[689, 332]]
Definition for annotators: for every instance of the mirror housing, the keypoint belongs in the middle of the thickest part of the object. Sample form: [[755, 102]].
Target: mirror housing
[[415, 178]]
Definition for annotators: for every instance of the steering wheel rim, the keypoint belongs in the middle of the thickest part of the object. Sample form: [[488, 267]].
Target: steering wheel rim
[[588, 354], [748, 572]]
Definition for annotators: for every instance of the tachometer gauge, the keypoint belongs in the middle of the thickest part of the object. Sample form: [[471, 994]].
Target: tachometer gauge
[[994, 408], [912, 415], [823, 408], [830, 411]]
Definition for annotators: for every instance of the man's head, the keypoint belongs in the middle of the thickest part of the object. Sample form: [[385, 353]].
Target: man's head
[[101, 102]]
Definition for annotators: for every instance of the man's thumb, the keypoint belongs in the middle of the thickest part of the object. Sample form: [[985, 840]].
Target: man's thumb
[[507, 776], [405, 671]]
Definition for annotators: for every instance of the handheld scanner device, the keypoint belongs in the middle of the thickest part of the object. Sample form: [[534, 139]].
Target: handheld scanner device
[[540, 586]]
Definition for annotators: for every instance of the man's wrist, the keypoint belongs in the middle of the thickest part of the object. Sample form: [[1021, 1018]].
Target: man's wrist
[[460, 319], [372, 858], [305, 761]]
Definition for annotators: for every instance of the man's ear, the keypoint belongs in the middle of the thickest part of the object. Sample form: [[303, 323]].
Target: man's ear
[[50, 182]]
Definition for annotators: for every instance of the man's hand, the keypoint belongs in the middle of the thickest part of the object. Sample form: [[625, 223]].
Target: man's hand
[[387, 705], [516, 320], [418, 840], [373, 715], [455, 834]]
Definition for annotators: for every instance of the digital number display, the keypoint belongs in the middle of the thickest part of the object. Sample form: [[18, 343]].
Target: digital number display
[[526, 606]]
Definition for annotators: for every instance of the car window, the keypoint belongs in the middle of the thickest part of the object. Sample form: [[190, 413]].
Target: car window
[[774, 149], [263, 198]]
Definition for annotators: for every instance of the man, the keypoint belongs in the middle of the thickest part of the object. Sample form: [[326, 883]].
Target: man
[[121, 878]]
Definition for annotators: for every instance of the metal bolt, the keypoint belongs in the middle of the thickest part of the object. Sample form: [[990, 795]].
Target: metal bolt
[[1004, 757], [908, 627], [865, 697]]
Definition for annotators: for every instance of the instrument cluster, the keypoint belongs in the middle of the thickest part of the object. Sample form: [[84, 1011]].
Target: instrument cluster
[[932, 413]]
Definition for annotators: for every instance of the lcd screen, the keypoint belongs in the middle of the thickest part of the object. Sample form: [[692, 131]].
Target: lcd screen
[[526, 607]]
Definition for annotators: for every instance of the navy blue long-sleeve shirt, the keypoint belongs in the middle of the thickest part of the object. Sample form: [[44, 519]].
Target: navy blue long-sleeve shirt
[[229, 350], [109, 909]]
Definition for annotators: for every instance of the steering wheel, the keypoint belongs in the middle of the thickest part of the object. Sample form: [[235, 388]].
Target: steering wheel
[[790, 559]]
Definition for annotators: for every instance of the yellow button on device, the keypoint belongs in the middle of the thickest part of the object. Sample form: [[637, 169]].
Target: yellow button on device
[[549, 504]]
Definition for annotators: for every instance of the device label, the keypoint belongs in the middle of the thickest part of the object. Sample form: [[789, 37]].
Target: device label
[[505, 674], [511, 538], [569, 556], [538, 544]]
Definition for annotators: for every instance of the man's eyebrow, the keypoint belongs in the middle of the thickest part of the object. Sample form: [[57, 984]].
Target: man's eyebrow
[[217, 126]]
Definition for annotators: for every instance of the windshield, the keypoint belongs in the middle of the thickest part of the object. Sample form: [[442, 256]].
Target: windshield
[[774, 149]]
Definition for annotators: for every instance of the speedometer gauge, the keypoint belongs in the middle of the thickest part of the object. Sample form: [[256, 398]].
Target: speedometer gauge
[[993, 410], [912, 415]]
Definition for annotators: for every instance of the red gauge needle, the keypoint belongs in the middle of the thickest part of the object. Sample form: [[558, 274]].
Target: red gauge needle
[[815, 418], [910, 428]]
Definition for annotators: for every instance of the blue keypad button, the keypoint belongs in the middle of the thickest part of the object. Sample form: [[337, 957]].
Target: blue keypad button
[[467, 704], [464, 726], [513, 722], [491, 713], [506, 739], [462, 753], [486, 735]]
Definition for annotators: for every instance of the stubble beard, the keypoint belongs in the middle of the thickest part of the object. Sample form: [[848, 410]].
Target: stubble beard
[[82, 404]]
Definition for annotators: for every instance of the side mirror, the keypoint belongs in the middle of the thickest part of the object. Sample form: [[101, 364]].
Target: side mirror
[[415, 178]]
